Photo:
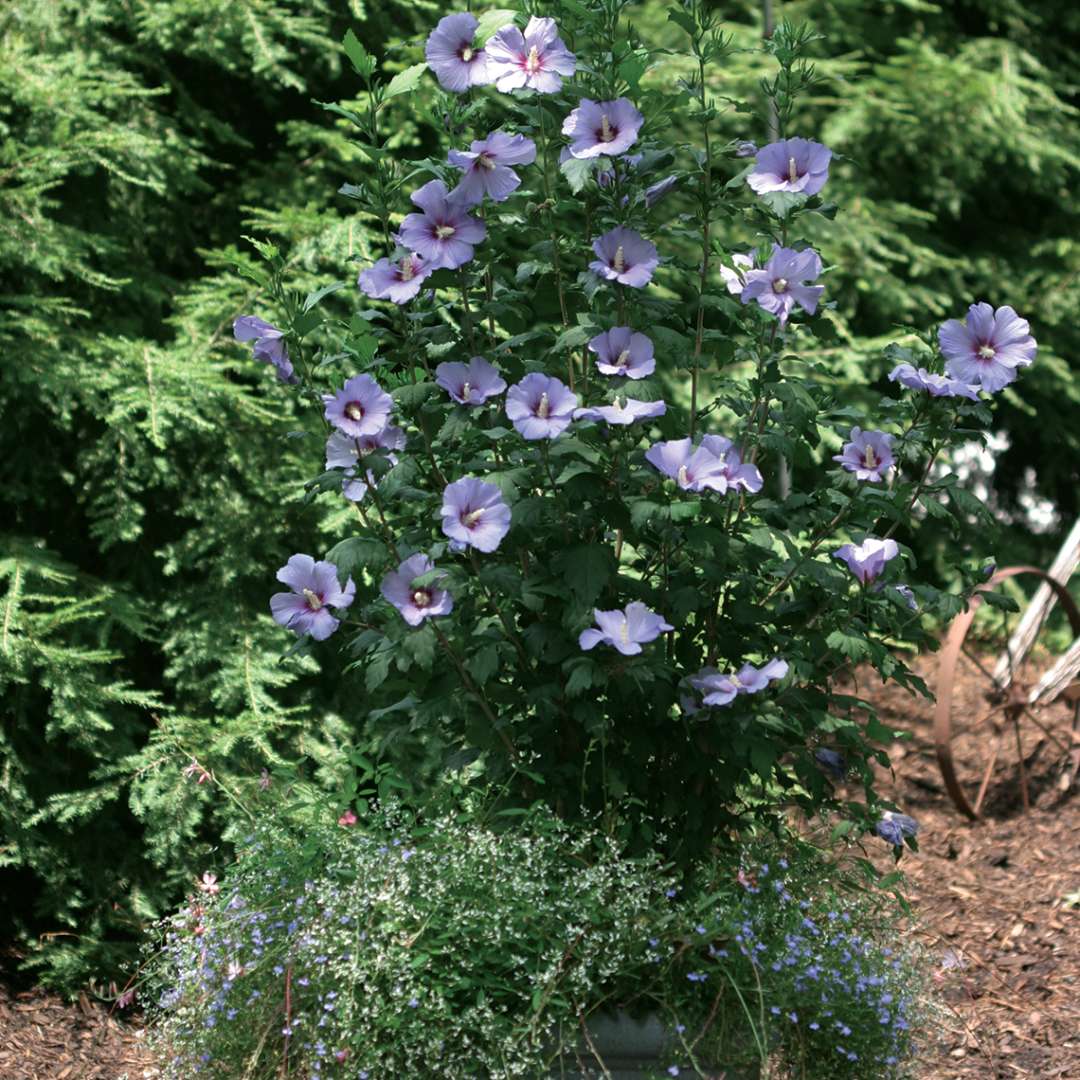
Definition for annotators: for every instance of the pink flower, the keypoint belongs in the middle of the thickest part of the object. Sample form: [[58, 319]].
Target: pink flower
[[208, 884], [196, 770], [347, 820]]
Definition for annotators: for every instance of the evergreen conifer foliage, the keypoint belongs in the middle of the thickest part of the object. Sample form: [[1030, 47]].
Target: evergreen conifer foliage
[[144, 455]]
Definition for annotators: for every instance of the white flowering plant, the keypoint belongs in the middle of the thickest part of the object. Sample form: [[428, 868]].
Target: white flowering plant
[[457, 947], [613, 527]]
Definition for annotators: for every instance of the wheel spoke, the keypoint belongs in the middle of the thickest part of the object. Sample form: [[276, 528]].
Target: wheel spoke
[[979, 664], [987, 774], [1045, 730], [964, 729], [1023, 767]]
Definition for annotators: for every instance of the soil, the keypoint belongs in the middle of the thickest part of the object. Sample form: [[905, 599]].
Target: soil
[[991, 898], [43, 1037], [996, 903]]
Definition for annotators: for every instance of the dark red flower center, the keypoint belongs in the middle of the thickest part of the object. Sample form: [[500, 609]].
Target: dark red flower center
[[354, 410]]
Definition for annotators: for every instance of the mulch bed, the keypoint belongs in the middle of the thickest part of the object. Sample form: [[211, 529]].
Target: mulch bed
[[43, 1037], [990, 905]]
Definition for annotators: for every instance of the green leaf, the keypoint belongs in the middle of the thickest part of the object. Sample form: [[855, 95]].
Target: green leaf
[[631, 70], [491, 22], [483, 663], [411, 395], [420, 645], [267, 250], [404, 82], [354, 554], [314, 297], [783, 203], [577, 172], [365, 347], [762, 756], [683, 19], [999, 600], [362, 60], [585, 673], [850, 645], [378, 667], [586, 568], [304, 323]]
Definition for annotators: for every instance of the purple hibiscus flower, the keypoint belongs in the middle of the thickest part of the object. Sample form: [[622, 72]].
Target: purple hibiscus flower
[[832, 761], [470, 384], [540, 406], [791, 165], [445, 232], [735, 275], [451, 53], [935, 385], [904, 591], [534, 59], [621, 351], [715, 687], [623, 411], [474, 514], [315, 588], [736, 475], [989, 348], [655, 192], [415, 602], [867, 560], [868, 455], [269, 347], [719, 688], [486, 165], [346, 451], [606, 128], [693, 469], [360, 407], [892, 828], [625, 630], [779, 285], [397, 281], [624, 256], [607, 177]]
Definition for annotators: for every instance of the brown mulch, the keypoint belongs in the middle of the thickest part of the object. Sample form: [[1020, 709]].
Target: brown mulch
[[42, 1037], [990, 900]]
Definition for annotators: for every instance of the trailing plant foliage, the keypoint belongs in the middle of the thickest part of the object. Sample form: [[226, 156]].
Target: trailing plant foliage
[[459, 947]]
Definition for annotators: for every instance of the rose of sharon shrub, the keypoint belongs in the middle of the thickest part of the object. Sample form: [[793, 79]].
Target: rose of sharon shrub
[[588, 594]]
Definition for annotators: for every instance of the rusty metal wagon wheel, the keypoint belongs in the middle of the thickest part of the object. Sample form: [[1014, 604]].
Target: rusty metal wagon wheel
[[997, 719]]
